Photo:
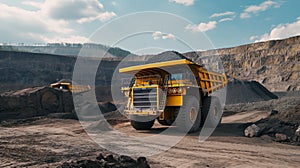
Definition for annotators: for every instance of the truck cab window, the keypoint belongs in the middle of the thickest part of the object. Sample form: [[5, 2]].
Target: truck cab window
[[177, 76]]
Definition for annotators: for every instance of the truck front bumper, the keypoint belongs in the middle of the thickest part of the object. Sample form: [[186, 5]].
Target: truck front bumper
[[143, 112]]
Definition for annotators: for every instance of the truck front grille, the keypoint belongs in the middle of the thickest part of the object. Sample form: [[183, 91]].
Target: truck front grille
[[145, 98]]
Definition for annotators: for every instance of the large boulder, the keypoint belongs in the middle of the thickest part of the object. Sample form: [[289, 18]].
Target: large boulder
[[252, 131], [280, 137], [297, 132]]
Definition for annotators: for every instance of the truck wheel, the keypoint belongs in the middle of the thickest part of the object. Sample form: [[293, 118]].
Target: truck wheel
[[165, 122], [142, 125], [189, 117], [212, 112], [50, 100]]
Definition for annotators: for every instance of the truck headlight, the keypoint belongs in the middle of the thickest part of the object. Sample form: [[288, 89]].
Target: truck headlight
[[174, 91], [127, 93]]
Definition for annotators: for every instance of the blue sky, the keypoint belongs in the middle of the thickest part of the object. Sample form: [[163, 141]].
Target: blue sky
[[224, 23]]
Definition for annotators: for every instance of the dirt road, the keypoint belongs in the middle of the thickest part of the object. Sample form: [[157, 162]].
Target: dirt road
[[50, 142], [228, 148]]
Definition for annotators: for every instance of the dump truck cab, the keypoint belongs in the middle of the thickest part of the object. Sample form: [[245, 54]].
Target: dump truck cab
[[159, 90]]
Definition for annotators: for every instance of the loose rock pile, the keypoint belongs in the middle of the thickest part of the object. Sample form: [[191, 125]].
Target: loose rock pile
[[108, 161], [282, 125], [247, 91]]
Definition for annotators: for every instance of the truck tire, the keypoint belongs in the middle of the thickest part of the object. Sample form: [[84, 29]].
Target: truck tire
[[165, 122], [189, 117], [142, 125], [50, 100], [211, 112]]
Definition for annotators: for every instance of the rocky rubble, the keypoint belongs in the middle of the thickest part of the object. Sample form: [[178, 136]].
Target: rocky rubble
[[108, 161], [283, 123], [276, 129]]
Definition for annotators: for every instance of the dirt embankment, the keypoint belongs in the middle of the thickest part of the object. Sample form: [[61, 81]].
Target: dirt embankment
[[275, 64], [20, 70]]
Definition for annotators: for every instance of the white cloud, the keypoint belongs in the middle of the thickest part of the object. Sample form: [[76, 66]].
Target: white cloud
[[282, 31], [159, 35], [106, 16], [113, 3], [51, 21], [80, 10], [156, 35], [225, 19], [25, 20], [255, 9], [202, 27], [33, 4], [169, 36], [228, 19], [262, 7], [252, 38], [184, 2], [34, 27], [245, 15], [228, 13], [228, 16], [102, 17]]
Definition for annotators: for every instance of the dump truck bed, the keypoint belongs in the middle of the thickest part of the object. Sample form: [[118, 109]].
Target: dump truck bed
[[209, 81], [136, 69], [72, 88]]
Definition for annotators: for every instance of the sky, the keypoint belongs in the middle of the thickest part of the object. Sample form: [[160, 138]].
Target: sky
[[149, 26]]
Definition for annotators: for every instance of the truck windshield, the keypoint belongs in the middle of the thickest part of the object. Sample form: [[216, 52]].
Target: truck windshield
[[180, 78], [177, 76], [147, 80]]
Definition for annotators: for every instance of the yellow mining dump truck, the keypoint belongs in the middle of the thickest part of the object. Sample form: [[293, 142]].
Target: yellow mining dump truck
[[170, 93], [67, 85]]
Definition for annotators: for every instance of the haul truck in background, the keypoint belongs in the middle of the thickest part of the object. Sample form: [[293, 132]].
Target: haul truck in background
[[173, 91], [67, 85]]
